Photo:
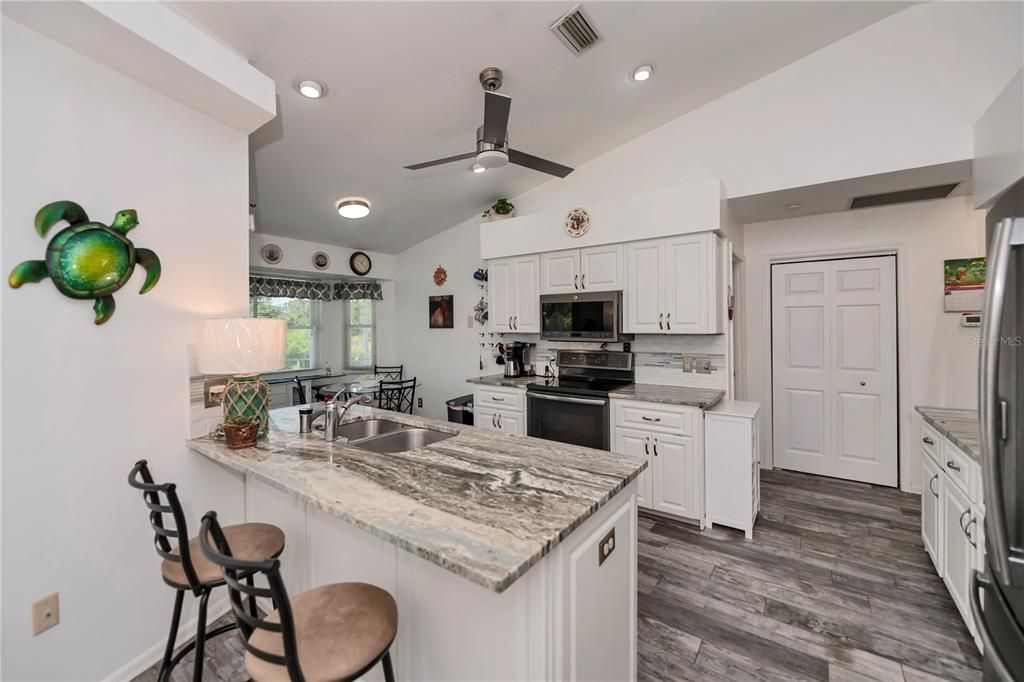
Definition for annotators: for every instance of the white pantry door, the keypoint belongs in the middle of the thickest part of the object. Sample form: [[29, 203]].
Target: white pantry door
[[834, 368]]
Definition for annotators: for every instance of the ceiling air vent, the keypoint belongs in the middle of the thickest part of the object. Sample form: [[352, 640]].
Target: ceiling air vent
[[903, 196], [575, 31]]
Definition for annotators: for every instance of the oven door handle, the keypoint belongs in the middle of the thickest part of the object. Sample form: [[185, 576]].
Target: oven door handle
[[566, 399]]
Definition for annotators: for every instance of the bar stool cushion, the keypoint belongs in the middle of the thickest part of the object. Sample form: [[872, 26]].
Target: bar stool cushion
[[253, 541], [339, 630]]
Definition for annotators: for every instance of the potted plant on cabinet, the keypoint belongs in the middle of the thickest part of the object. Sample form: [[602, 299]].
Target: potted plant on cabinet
[[501, 209], [241, 432]]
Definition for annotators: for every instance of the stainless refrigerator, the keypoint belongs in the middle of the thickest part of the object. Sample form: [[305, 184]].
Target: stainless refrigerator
[[997, 594]]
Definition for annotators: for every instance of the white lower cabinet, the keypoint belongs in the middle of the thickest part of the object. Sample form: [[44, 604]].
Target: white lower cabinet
[[500, 409], [671, 439], [952, 517], [732, 465]]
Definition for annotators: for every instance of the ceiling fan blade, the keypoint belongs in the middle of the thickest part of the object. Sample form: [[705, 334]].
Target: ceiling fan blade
[[496, 108], [438, 162], [536, 163]]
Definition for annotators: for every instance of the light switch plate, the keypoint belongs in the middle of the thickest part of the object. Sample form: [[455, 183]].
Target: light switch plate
[[470, 322], [45, 613]]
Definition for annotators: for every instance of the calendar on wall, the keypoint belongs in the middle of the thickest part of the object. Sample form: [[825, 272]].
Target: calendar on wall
[[964, 285]]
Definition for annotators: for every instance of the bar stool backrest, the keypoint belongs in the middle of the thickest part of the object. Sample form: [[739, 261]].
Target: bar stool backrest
[[141, 479], [214, 546], [397, 396], [389, 373]]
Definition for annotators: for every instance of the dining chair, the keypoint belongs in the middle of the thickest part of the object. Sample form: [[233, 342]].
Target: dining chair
[[332, 632], [397, 396], [389, 373], [185, 569]]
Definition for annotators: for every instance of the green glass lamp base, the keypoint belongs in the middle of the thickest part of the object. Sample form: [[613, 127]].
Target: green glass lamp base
[[247, 395]]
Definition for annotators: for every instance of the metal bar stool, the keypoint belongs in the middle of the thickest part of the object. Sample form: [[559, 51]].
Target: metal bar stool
[[185, 568], [334, 632], [398, 396]]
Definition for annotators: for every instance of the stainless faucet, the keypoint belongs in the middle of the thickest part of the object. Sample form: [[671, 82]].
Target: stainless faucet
[[336, 411]]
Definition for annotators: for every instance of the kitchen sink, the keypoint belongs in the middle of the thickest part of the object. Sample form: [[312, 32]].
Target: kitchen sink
[[405, 439], [368, 428]]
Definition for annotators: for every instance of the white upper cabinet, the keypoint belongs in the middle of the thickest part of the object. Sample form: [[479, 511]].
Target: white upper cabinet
[[674, 286], [560, 272], [513, 293], [597, 268]]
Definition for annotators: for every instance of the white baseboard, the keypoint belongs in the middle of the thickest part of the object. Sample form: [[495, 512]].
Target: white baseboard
[[153, 654]]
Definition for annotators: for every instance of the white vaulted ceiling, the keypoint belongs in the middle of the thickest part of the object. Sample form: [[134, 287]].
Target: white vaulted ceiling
[[402, 88]]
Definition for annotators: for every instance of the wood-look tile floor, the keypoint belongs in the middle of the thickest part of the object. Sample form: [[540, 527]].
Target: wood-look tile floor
[[834, 586]]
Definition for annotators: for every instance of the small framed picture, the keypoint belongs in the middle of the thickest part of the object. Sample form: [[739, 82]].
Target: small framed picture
[[321, 261], [272, 253], [442, 312]]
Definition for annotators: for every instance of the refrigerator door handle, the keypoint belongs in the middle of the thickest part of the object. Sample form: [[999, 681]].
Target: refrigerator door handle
[[979, 581], [1007, 232]]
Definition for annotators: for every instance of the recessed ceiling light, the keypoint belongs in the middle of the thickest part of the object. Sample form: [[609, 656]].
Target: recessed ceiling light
[[311, 89], [353, 208], [793, 207], [477, 168], [642, 73]]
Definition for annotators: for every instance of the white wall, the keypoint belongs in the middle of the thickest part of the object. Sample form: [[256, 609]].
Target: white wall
[[83, 403], [442, 359], [938, 357]]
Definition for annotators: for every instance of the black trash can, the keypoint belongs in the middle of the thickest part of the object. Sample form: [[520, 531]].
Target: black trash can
[[460, 410]]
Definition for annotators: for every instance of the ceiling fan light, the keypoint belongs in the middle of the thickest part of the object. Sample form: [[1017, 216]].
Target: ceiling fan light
[[642, 73], [491, 158], [353, 208], [477, 168], [311, 89]]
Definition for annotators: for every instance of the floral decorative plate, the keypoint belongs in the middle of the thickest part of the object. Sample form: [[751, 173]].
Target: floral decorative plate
[[577, 222], [440, 276]]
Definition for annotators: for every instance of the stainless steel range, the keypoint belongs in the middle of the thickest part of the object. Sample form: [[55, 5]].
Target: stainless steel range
[[573, 407]]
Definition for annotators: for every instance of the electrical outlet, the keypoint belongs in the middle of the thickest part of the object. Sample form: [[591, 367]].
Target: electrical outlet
[[419, 402], [45, 613], [687, 363]]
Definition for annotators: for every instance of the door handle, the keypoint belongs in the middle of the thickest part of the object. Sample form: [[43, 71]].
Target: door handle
[[655, 447], [515, 321], [992, 656], [967, 532], [497, 399], [566, 399], [660, 315], [668, 321], [583, 281], [494, 420], [930, 481], [499, 420], [928, 440], [1008, 232], [647, 443], [952, 465], [650, 419], [509, 321], [576, 282], [962, 527]]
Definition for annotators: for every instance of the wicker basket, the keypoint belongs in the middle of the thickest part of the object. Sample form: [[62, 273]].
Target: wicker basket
[[241, 435]]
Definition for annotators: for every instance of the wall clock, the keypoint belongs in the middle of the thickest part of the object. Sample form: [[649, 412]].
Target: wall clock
[[321, 261], [360, 263], [272, 254]]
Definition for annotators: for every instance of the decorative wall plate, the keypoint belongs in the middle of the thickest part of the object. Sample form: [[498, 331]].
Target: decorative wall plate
[[440, 276], [577, 222], [321, 261], [272, 253], [88, 259]]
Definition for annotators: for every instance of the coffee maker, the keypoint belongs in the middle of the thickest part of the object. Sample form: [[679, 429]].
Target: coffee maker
[[516, 358]]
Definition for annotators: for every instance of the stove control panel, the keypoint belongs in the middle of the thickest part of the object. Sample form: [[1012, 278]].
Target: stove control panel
[[595, 359]]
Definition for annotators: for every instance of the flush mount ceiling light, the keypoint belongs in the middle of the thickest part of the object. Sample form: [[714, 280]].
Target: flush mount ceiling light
[[477, 168], [353, 208], [642, 73], [311, 89]]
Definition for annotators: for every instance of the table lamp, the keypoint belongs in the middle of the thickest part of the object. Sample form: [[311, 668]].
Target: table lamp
[[243, 348]]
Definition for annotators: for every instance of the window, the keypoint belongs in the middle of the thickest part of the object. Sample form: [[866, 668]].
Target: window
[[302, 315], [359, 333]]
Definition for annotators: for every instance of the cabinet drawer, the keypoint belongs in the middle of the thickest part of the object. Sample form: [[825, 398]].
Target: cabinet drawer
[[957, 465], [652, 416], [508, 399], [931, 441]]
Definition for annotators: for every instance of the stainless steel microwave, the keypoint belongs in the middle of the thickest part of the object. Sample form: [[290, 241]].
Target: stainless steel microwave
[[585, 316]]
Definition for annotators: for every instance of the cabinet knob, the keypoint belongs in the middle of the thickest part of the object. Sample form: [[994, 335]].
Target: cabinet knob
[[863, 383]]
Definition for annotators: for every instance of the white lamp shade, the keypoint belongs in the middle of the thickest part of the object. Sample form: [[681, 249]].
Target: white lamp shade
[[242, 346]]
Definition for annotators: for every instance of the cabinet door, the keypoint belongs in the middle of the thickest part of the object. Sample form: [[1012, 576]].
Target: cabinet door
[[689, 281], [526, 306], [643, 292], [511, 423], [637, 444], [560, 272], [485, 418], [500, 282], [601, 268], [958, 555], [931, 479], [676, 489]]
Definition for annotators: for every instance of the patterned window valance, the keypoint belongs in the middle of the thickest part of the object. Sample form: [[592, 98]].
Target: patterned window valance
[[318, 291]]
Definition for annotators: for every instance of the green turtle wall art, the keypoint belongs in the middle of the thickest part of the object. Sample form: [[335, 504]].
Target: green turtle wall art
[[88, 259]]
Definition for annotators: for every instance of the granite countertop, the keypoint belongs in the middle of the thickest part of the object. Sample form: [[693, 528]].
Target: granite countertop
[[670, 395], [502, 380], [959, 426], [484, 505]]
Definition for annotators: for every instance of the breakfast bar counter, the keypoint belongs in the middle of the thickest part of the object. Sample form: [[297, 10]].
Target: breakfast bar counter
[[509, 556]]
